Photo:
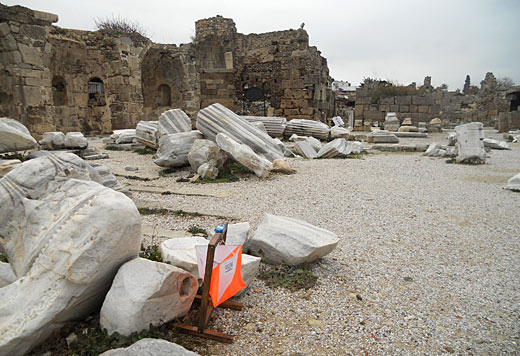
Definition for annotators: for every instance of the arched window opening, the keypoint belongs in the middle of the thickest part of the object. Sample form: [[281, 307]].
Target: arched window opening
[[95, 88], [164, 95], [515, 101], [59, 91]]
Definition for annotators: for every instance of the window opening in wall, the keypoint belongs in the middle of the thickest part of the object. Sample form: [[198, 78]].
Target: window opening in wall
[[95, 87], [164, 95], [59, 92], [515, 101]]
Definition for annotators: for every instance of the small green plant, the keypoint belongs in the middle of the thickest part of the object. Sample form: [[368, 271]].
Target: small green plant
[[167, 171], [194, 229], [143, 179], [228, 173], [151, 253], [180, 180], [292, 278], [3, 258], [151, 211], [113, 148], [144, 151]]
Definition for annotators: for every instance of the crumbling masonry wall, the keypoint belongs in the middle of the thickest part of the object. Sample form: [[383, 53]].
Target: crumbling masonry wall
[[54, 79]]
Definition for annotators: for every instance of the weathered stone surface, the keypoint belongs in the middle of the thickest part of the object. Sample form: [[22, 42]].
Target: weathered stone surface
[[7, 165], [435, 150], [75, 140], [304, 149], [206, 151], [147, 133], [307, 128], [244, 155], [496, 144], [238, 234], [75, 235], [280, 145], [339, 132], [391, 122], [208, 170], [259, 125], [514, 183], [14, 136], [274, 126], [470, 148], [314, 142], [53, 141], [280, 239], [452, 138], [145, 292], [336, 148], [382, 137], [296, 138], [174, 149], [150, 347], [282, 166], [124, 136], [6, 274], [407, 122], [107, 179], [173, 121], [216, 119], [357, 147], [181, 252], [408, 129]]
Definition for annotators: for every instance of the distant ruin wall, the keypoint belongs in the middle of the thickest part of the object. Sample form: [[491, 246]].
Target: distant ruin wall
[[69, 80]]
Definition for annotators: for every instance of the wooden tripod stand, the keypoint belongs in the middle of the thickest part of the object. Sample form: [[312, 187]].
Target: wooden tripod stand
[[206, 306]]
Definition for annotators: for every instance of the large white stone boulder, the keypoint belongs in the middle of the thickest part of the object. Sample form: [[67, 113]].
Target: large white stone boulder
[[181, 252], [124, 136], [173, 121], [14, 136], [216, 119], [206, 151], [150, 347], [174, 149], [280, 239], [514, 183], [238, 234], [244, 155], [145, 292], [336, 148], [75, 140], [75, 235], [470, 148], [52, 141], [339, 132], [274, 126], [147, 132]]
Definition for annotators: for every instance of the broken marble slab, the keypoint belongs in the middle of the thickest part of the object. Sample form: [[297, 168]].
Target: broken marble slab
[[514, 183], [470, 148], [109, 180], [75, 140], [146, 293], [259, 125], [452, 138], [382, 136], [336, 148], [173, 121], [496, 144], [124, 136], [315, 143], [305, 127], [435, 150], [339, 132], [149, 347], [52, 141], [7, 165], [296, 138], [216, 119], [14, 136], [237, 234], [280, 145], [7, 275], [274, 126], [304, 149], [357, 147], [408, 128], [206, 151], [391, 122], [244, 155], [174, 148], [76, 234], [147, 133], [290, 241]]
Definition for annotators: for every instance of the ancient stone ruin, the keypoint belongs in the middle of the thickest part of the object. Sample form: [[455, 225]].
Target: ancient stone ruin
[[56, 79]]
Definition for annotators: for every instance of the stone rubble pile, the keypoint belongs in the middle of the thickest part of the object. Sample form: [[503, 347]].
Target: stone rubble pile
[[14, 136]]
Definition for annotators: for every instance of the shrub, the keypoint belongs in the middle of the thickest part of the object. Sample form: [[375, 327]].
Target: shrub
[[119, 26]]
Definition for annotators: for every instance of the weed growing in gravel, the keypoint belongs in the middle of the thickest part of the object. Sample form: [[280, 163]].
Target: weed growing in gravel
[[143, 179], [151, 211], [167, 171], [289, 277], [180, 180], [194, 229], [226, 174], [113, 148], [151, 253], [144, 151], [3, 258]]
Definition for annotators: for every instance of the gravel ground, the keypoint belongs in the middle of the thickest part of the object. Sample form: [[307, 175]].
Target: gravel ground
[[432, 249]]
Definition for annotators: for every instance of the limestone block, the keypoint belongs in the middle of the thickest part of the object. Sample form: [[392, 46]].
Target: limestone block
[[407, 121], [408, 129], [470, 148], [147, 133], [452, 138], [124, 136], [7, 165], [280, 239], [53, 141], [304, 149], [174, 148], [496, 144], [238, 234], [307, 128], [391, 122], [75, 140], [336, 148], [314, 142], [30, 55], [216, 119], [206, 151], [147, 346], [274, 126], [6, 274], [244, 155], [282, 166], [145, 292], [207, 170], [339, 132], [514, 183], [14, 136], [382, 137], [403, 100], [173, 121], [75, 235]]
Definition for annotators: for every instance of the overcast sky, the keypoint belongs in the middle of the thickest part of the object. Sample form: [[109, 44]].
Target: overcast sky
[[400, 40]]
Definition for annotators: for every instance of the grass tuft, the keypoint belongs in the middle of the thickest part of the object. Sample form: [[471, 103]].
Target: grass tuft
[[194, 229], [292, 278]]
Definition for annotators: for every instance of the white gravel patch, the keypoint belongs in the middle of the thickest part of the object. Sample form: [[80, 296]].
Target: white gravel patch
[[432, 248]]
